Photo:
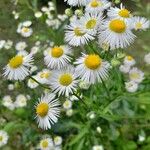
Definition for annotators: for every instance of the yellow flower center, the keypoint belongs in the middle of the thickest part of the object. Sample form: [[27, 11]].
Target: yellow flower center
[[16, 62], [65, 79], [124, 13], [95, 3], [57, 52], [91, 24], [66, 103], [134, 76], [45, 143], [93, 61], [42, 109], [78, 32], [117, 26], [25, 29], [138, 25], [45, 75], [1, 138], [129, 58]]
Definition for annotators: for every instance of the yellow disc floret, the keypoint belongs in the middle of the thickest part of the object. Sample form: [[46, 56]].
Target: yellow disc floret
[[78, 32], [16, 62], [93, 61], [45, 75], [44, 143], [25, 29], [138, 25], [57, 52], [117, 26], [91, 24], [124, 13], [65, 79], [42, 109], [134, 75], [1, 138], [129, 58], [95, 3]]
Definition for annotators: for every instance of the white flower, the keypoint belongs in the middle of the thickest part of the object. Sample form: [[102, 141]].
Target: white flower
[[136, 75], [64, 82], [21, 101], [57, 57], [67, 104], [11, 87], [77, 2], [147, 58], [69, 112], [129, 61], [124, 68], [8, 44], [46, 144], [3, 138], [21, 46], [35, 49], [7, 102], [131, 86], [47, 111], [76, 34], [18, 67], [141, 138], [23, 53], [57, 140], [31, 83], [91, 68], [140, 23], [2, 43], [38, 14], [97, 6], [120, 13], [97, 147], [116, 33], [44, 76], [99, 130]]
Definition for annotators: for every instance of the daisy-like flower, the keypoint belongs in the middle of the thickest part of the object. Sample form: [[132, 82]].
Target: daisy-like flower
[[131, 86], [46, 144], [18, 67], [3, 138], [76, 34], [24, 29], [147, 58], [57, 57], [7, 102], [67, 104], [91, 22], [117, 33], [97, 6], [98, 147], [124, 68], [64, 82], [47, 111], [44, 76], [91, 68], [21, 46], [21, 101], [140, 23], [129, 61], [57, 140], [136, 75], [77, 2], [120, 13]]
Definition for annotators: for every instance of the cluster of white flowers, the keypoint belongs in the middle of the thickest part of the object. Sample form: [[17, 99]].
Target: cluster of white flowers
[[3, 138], [6, 44]]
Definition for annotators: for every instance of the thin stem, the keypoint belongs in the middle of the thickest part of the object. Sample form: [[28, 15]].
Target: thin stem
[[39, 83]]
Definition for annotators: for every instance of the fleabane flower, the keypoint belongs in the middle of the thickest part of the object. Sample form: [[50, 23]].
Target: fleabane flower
[[18, 67], [136, 75], [147, 58], [117, 33], [57, 140], [131, 86], [91, 68], [44, 76], [129, 61], [20, 46], [46, 144], [97, 6], [91, 22], [77, 2], [3, 138], [21, 101], [47, 111], [119, 13], [76, 34], [58, 57], [64, 82], [140, 23]]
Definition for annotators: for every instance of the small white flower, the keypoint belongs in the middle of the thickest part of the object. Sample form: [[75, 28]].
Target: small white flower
[[35, 49], [131, 86], [77, 2], [141, 138], [47, 111], [57, 140], [3, 138], [11, 87], [136, 75], [147, 58], [21, 46], [67, 104], [69, 112], [97, 147], [8, 44], [129, 61], [2, 43], [21, 101], [99, 130], [46, 144], [38, 14], [7, 102], [124, 68]]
